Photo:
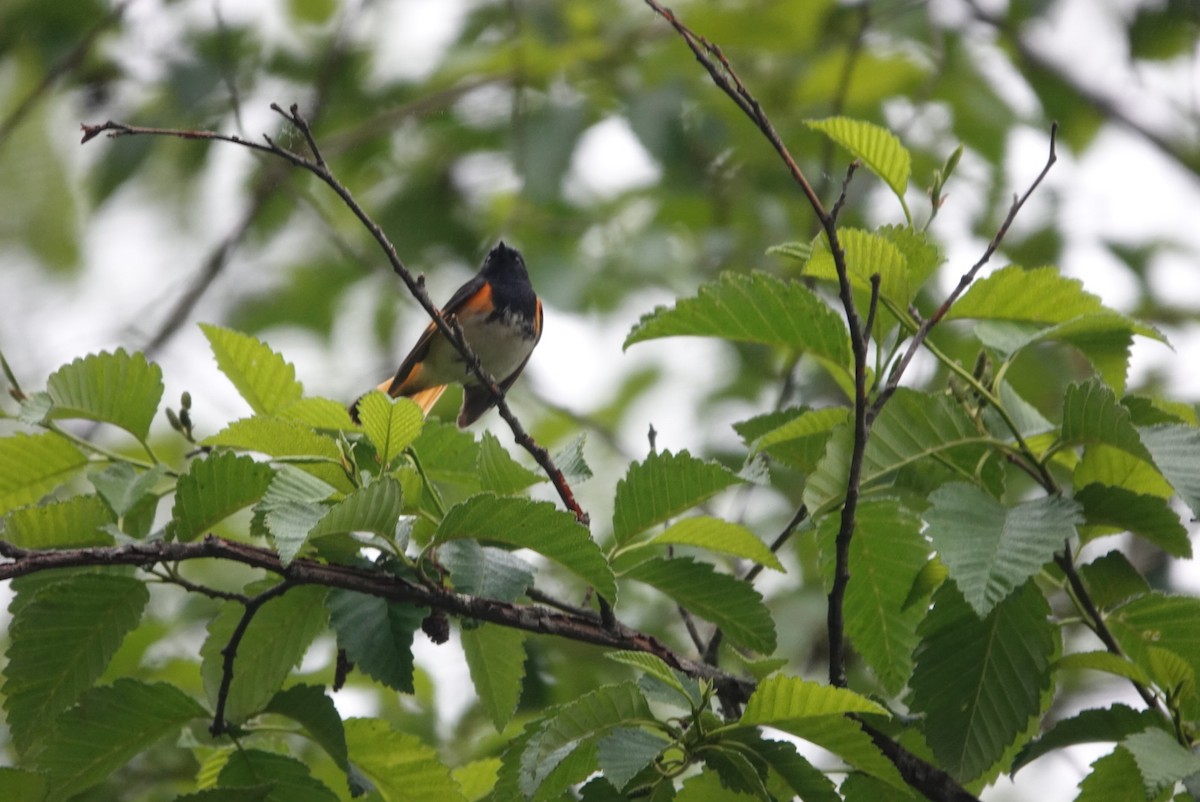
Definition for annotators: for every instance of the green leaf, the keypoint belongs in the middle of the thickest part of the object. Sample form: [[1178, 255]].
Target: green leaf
[[1111, 467], [800, 442], [107, 729], [717, 535], [284, 439], [1111, 579], [262, 377], [112, 388], [1042, 295], [308, 706], [804, 779], [60, 642], [1176, 451], [449, 455], [796, 251], [402, 768], [738, 769], [914, 428], [78, 521], [289, 779], [22, 786], [289, 523], [625, 751], [124, 487], [496, 659], [275, 640], [213, 489], [1106, 662], [31, 465], [887, 554], [991, 549], [662, 486], [1158, 620], [250, 793], [1161, 759], [391, 426], [1109, 509], [492, 573], [377, 635], [533, 525], [733, 605], [876, 147], [1114, 778], [499, 472], [570, 461], [1092, 414], [477, 778], [779, 698], [1096, 725], [756, 308], [866, 254], [845, 738], [374, 508], [319, 413], [979, 683], [564, 728], [654, 666]]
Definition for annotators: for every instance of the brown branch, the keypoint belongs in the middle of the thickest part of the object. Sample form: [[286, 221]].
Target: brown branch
[[897, 371], [529, 618], [317, 166], [229, 652]]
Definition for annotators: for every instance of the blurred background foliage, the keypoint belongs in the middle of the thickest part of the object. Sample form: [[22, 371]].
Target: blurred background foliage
[[585, 134]]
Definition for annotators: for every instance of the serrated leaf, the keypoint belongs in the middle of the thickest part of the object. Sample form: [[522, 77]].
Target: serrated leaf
[[800, 442], [1105, 465], [913, 428], [485, 571], [1106, 662], [116, 388], [448, 455], [60, 642], [262, 377], [499, 472], [1176, 451], [756, 308], [319, 413], [1114, 778], [308, 706], [731, 604], [655, 667], [374, 508], [662, 486], [1095, 725], [496, 660], [285, 439], [876, 147], [391, 425], [213, 489], [32, 465], [717, 535], [739, 770], [845, 738], [991, 549], [289, 523], [477, 778], [1042, 295], [565, 727], [77, 521], [778, 699], [1161, 759], [1158, 620], [533, 525], [402, 768], [289, 779], [866, 254], [124, 487], [1111, 579], [887, 554], [107, 729], [377, 635], [1092, 414], [803, 778], [570, 461], [625, 751], [797, 251], [979, 683], [274, 642], [1106, 509]]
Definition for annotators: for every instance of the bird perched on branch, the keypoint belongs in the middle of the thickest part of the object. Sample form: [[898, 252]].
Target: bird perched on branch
[[501, 320]]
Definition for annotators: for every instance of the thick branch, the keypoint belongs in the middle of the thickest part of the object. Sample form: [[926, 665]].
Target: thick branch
[[530, 618]]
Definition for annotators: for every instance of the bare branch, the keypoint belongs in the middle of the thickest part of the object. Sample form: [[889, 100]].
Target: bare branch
[[229, 652]]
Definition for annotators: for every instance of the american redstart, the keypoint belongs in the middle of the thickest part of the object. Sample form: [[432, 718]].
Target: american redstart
[[501, 319]]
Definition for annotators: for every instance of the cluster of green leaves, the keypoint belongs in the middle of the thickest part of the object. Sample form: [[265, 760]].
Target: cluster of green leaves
[[318, 486]]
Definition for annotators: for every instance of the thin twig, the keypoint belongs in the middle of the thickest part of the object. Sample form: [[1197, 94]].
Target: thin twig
[[229, 653], [897, 371]]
